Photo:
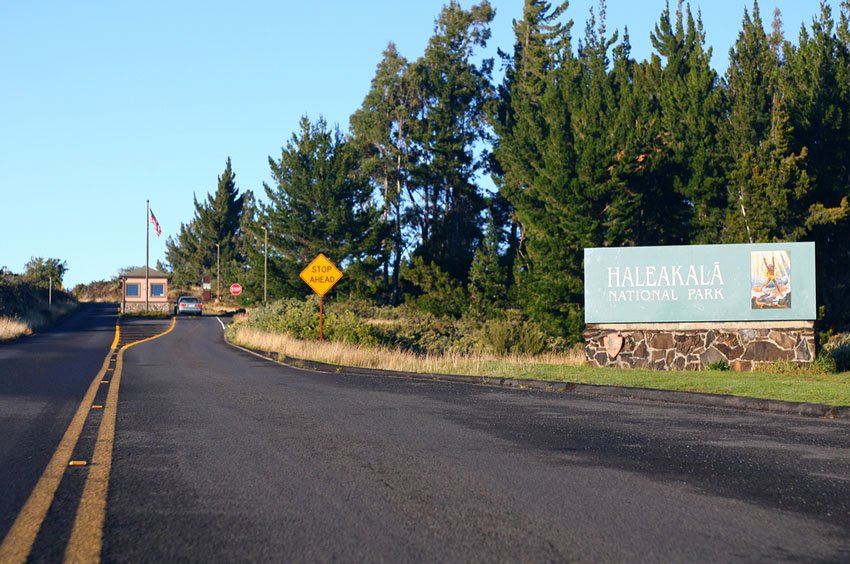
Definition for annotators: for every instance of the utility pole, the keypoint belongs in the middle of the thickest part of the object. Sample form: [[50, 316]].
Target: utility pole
[[218, 271], [50, 293], [265, 265]]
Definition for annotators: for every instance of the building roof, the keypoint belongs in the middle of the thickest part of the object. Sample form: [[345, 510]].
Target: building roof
[[140, 273]]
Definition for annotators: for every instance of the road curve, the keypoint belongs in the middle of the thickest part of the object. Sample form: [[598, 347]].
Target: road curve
[[222, 456]]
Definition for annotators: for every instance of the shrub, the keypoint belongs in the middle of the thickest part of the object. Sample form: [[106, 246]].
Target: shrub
[[297, 318], [24, 305], [530, 340], [407, 328], [422, 333], [441, 295], [346, 327], [837, 349], [822, 365], [300, 319], [719, 365], [20, 297], [496, 336], [825, 364], [513, 334], [98, 291]]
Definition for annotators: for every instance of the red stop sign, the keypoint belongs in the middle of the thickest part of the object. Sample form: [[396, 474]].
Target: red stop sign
[[236, 289]]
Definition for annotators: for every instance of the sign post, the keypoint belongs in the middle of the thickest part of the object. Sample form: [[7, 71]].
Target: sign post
[[207, 289], [321, 275]]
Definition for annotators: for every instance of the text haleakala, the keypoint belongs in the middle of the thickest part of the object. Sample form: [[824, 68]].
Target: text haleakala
[[701, 282]]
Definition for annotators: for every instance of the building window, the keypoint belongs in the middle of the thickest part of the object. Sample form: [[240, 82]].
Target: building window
[[157, 290], [132, 290]]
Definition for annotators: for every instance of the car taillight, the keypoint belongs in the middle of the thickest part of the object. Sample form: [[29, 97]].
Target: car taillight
[[182, 305]]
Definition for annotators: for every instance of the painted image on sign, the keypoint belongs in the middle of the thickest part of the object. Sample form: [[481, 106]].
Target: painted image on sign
[[770, 276]]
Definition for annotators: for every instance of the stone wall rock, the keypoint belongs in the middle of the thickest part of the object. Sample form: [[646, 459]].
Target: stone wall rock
[[133, 307], [695, 348]]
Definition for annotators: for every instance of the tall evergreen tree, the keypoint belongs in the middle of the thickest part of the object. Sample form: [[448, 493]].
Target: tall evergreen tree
[[817, 97], [818, 94], [454, 92], [768, 183], [535, 161], [644, 207], [212, 240], [522, 128], [185, 257], [320, 202], [381, 130], [590, 95], [689, 107], [773, 186]]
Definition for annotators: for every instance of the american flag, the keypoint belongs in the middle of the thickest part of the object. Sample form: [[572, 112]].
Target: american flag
[[155, 223]]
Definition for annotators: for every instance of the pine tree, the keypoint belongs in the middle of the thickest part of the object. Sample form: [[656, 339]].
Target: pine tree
[[446, 204], [817, 84], [320, 202], [644, 207], [212, 238], [817, 93], [577, 201], [768, 183], [185, 256], [775, 185], [381, 130], [488, 277], [219, 220], [521, 127], [535, 158], [689, 107]]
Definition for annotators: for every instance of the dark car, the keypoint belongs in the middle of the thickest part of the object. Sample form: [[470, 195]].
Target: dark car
[[188, 305]]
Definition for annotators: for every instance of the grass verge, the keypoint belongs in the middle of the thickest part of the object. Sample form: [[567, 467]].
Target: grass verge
[[800, 386]]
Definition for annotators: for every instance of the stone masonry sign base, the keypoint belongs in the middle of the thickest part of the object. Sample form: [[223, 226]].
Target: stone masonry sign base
[[693, 346]]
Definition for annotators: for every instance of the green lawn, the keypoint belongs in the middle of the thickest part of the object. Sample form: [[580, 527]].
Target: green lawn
[[830, 389]]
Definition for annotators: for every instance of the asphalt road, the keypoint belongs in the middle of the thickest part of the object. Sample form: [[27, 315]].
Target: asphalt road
[[42, 380], [221, 456]]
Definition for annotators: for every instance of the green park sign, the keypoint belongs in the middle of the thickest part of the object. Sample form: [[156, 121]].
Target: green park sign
[[761, 282]]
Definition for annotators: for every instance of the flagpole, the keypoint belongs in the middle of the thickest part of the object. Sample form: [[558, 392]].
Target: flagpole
[[147, 253]]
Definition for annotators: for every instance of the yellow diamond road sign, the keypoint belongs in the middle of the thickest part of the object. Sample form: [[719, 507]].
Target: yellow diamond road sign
[[321, 274]]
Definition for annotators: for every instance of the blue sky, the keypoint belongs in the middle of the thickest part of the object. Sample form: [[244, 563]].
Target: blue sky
[[107, 104]]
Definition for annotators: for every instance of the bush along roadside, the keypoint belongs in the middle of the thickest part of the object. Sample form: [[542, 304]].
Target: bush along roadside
[[406, 328], [25, 307]]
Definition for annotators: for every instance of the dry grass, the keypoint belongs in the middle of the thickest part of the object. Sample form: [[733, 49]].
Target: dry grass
[[14, 327], [386, 359], [220, 308]]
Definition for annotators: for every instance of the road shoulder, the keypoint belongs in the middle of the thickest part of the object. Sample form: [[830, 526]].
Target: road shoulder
[[669, 396]]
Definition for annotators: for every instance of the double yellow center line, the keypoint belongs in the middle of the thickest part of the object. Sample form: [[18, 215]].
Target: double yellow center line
[[87, 534]]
